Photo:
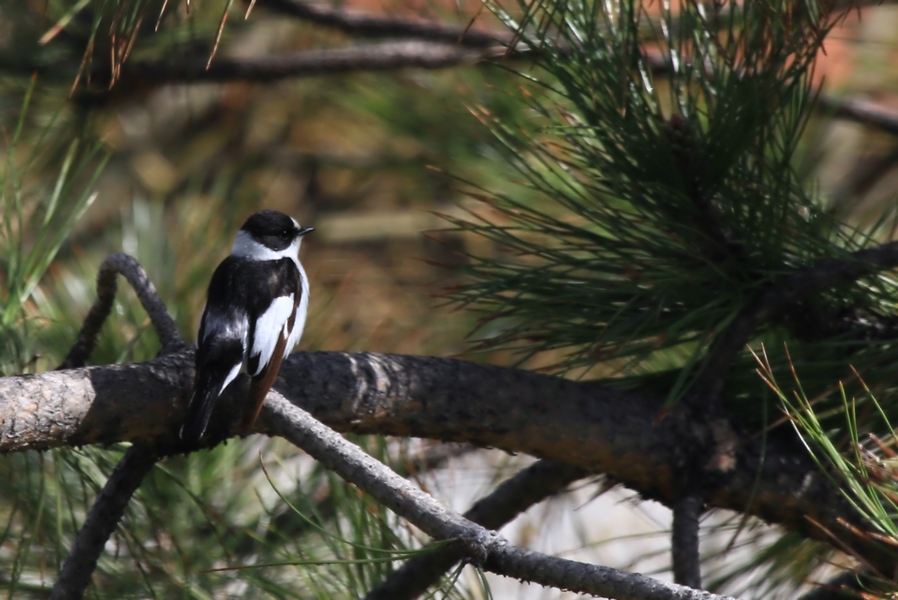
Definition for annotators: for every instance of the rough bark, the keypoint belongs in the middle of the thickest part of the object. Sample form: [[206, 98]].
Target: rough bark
[[599, 429]]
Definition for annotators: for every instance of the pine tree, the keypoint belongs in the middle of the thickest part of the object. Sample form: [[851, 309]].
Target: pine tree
[[650, 234]]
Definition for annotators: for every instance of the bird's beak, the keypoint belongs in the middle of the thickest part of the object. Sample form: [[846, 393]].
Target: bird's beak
[[305, 230]]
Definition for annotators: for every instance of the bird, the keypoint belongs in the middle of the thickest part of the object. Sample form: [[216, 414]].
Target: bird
[[255, 314]]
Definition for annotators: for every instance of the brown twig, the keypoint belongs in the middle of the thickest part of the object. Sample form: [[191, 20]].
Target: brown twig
[[364, 57], [861, 111], [438, 45]]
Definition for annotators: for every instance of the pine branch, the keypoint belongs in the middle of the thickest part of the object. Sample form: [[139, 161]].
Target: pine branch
[[105, 514], [361, 24], [597, 428], [778, 299], [372, 57], [109, 507], [482, 546], [130, 269], [530, 486]]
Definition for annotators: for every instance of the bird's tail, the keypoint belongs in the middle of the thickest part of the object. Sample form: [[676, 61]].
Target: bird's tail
[[199, 410]]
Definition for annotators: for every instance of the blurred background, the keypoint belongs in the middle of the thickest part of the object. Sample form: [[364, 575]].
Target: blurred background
[[167, 171]]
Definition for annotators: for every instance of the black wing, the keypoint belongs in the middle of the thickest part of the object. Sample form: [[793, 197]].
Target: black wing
[[268, 347], [240, 291]]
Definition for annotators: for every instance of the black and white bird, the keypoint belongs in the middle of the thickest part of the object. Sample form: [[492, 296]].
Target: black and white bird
[[254, 315]]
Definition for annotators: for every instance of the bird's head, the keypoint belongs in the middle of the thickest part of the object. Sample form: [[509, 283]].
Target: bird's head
[[269, 235]]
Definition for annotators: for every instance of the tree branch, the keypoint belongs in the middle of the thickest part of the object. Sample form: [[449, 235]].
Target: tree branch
[[449, 51], [481, 545], [138, 461], [528, 565], [101, 521], [780, 297], [860, 111], [584, 424], [285, 522], [515, 495], [684, 541], [363, 24], [122, 264], [331, 61]]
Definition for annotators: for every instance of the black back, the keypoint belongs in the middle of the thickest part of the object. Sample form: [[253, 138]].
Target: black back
[[245, 288], [240, 289]]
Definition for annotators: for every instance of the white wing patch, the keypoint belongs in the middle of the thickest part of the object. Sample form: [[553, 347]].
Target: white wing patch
[[269, 328]]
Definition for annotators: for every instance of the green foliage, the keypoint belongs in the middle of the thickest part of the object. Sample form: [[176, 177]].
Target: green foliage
[[659, 194], [662, 191], [37, 218], [659, 189], [863, 465], [210, 525]]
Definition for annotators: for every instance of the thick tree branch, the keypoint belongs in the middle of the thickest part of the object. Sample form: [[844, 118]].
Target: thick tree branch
[[596, 428], [481, 545], [530, 486]]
